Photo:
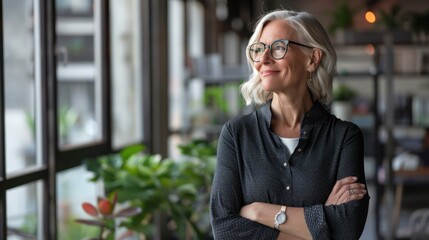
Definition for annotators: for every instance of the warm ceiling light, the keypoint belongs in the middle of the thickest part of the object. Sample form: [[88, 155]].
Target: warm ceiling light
[[370, 17]]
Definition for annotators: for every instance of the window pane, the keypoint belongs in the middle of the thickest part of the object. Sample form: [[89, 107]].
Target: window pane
[[78, 72], [24, 212], [74, 188], [19, 74], [126, 71]]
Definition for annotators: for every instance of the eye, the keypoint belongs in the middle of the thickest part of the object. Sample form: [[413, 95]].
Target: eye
[[257, 49], [279, 46]]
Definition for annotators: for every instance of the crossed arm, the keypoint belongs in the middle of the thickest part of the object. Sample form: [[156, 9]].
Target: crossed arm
[[342, 215], [345, 190]]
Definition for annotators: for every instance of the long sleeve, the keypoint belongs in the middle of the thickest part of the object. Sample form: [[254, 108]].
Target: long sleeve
[[253, 166], [324, 221], [227, 197]]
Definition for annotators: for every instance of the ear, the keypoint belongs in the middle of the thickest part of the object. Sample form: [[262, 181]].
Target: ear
[[315, 58]]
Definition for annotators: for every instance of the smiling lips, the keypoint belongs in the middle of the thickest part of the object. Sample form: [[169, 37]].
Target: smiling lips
[[268, 73]]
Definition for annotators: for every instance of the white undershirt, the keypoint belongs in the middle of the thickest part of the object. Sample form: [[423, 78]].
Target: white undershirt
[[290, 143]]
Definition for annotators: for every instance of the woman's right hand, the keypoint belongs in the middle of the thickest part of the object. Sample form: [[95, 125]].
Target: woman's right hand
[[346, 190]]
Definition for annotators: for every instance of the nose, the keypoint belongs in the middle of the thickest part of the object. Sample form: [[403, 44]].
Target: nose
[[266, 56]]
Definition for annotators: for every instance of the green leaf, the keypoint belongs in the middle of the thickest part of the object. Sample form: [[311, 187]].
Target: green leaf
[[130, 151], [110, 236]]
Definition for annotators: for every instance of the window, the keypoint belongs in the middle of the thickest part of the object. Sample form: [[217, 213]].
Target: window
[[75, 85], [126, 71], [19, 85], [24, 211], [79, 76], [73, 188]]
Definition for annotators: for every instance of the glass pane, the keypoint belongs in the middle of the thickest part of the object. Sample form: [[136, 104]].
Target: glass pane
[[24, 213], [74, 188], [185, 92], [78, 72], [19, 74], [126, 71]]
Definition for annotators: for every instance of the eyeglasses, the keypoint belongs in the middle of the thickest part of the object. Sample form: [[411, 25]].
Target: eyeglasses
[[278, 49]]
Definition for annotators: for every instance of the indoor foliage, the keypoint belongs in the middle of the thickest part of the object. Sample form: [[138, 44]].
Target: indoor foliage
[[179, 189], [106, 218]]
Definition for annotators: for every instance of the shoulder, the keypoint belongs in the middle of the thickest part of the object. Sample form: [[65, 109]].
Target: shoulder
[[248, 123], [346, 128], [242, 122]]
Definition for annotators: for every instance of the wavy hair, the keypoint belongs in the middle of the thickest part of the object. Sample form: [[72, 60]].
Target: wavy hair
[[309, 31]]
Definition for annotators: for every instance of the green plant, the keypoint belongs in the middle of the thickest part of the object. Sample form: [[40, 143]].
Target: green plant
[[342, 16], [214, 97], [67, 118], [342, 92], [28, 229], [71, 230], [418, 21], [392, 19], [177, 188], [105, 217]]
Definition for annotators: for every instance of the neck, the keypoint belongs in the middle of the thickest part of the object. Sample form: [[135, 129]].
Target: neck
[[287, 114]]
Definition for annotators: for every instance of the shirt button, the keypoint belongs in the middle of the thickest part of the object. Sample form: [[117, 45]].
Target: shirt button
[[299, 149], [288, 188], [304, 133], [285, 164]]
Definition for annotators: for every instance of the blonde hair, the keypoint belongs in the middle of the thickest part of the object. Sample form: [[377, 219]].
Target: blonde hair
[[309, 32]]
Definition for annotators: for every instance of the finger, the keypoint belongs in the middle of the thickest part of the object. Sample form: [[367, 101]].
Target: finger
[[352, 194], [360, 191], [349, 186], [344, 181], [344, 197]]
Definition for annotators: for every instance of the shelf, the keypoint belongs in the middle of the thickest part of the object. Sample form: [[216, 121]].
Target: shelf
[[375, 37]]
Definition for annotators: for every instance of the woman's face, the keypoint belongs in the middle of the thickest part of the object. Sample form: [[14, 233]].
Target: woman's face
[[286, 74]]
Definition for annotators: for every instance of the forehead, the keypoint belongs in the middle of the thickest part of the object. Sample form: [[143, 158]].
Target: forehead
[[277, 29]]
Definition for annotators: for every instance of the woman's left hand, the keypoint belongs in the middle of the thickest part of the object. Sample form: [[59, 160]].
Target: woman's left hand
[[346, 190]]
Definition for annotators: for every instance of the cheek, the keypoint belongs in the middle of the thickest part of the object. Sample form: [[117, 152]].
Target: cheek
[[257, 67]]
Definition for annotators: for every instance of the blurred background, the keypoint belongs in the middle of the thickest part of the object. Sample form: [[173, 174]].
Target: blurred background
[[105, 97]]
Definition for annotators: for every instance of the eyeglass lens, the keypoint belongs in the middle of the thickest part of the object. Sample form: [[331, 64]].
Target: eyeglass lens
[[277, 49]]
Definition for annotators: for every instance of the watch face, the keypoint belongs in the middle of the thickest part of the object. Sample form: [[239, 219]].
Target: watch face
[[281, 218]]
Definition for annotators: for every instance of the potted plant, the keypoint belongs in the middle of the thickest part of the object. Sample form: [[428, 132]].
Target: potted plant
[[342, 101], [342, 20], [107, 219], [179, 189], [419, 26]]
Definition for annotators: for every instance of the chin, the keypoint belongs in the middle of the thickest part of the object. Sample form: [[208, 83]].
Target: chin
[[269, 87]]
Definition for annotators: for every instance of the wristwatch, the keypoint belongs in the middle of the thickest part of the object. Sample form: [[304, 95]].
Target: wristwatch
[[280, 217]]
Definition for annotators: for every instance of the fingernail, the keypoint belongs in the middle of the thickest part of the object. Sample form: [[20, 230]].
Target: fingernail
[[354, 178], [362, 185]]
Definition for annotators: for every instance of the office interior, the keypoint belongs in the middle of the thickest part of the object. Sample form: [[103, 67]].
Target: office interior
[[110, 105]]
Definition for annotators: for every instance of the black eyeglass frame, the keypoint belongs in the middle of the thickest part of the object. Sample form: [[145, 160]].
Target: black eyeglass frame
[[285, 41]]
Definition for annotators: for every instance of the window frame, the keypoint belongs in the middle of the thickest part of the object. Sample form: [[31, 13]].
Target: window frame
[[54, 158]]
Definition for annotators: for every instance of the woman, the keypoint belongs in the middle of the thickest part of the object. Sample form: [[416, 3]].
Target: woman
[[290, 169]]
